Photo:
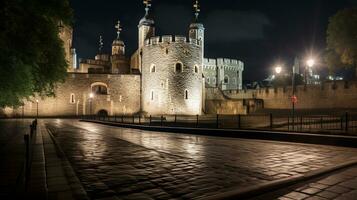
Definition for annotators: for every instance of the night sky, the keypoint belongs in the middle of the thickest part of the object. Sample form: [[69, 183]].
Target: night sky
[[260, 33]]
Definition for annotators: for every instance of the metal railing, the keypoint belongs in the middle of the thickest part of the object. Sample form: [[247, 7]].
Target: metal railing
[[335, 124]]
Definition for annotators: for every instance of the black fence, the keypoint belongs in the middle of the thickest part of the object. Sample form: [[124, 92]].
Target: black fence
[[337, 124]]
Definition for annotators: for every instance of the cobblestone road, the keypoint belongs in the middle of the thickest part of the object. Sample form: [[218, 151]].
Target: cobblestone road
[[340, 185], [134, 164]]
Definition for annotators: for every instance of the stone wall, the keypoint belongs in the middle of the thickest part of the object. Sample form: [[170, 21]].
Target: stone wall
[[218, 102], [164, 90], [216, 70], [123, 97], [328, 95]]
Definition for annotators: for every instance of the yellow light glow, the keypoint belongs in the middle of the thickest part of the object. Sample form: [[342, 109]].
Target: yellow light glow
[[310, 62]]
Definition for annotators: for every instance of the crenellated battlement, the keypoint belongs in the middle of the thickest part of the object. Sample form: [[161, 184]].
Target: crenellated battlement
[[167, 39], [227, 61], [210, 61]]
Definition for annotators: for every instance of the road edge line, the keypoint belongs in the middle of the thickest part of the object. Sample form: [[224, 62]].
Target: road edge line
[[260, 189], [75, 184]]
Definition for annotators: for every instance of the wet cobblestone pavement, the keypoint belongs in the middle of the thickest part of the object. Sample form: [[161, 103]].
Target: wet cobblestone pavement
[[134, 164]]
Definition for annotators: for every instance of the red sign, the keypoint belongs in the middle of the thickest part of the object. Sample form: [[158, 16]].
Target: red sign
[[294, 99]]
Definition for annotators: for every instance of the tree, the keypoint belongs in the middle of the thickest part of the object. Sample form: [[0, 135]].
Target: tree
[[342, 40], [32, 56]]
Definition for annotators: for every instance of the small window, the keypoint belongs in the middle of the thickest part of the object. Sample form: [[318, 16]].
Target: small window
[[152, 95], [214, 80], [196, 69], [178, 67], [208, 80], [226, 80], [153, 69], [167, 51], [162, 84], [186, 94], [72, 99]]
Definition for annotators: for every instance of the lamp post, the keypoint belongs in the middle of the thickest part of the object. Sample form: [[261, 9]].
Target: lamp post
[[91, 95], [36, 108]]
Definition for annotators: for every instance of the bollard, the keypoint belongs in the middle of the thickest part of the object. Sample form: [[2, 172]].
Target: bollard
[[27, 153], [346, 125], [301, 123], [139, 119], [217, 117], [321, 122], [162, 118], [133, 119], [150, 121], [271, 120], [197, 121], [239, 121]]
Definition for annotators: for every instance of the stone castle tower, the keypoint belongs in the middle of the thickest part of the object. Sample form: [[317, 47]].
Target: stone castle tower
[[172, 80]]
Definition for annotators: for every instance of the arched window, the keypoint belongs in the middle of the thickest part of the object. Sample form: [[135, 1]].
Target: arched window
[[153, 69], [178, 67], [226, 80], [196, 69], [99, 88], [72, 99], [186, 94]]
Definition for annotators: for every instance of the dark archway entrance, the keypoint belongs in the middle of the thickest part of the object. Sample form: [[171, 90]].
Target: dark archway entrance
[[103, 113]]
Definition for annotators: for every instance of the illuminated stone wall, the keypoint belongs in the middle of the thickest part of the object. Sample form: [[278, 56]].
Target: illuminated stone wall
[[215, 71], [123, 97], [329, 95], [165, 84]]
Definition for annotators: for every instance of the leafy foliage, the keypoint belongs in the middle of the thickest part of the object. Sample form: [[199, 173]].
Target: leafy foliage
[[32, 58], [342, 39]]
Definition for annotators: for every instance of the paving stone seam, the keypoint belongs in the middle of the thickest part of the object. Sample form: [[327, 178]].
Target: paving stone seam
[[260, 189], [76, 186]]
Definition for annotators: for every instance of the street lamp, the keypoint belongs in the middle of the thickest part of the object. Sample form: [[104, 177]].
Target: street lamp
[[36, 108], [278, 69], [91, 95]]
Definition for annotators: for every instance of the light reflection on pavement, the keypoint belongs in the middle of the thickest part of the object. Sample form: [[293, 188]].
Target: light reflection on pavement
[[131, 164]]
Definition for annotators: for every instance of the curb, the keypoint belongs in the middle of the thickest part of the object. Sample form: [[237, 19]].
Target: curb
[[254, 191], [306, 138], [74, 183]]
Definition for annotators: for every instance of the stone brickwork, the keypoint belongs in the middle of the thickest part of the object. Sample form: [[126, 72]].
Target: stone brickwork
[[223, 73], [164, 88], [328, 95], [123, 97]]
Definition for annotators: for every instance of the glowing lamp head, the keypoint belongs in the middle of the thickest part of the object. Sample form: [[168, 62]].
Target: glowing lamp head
[[278, 69], [310, 62], [36, 100], [91, 95]]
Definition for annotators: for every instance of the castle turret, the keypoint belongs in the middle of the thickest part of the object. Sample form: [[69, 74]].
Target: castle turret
[[146, 25], [100, 55], [197, 30], [120, 64], [118, 46]]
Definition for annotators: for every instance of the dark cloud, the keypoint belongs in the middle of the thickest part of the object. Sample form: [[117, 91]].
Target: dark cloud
[[233, 26]]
